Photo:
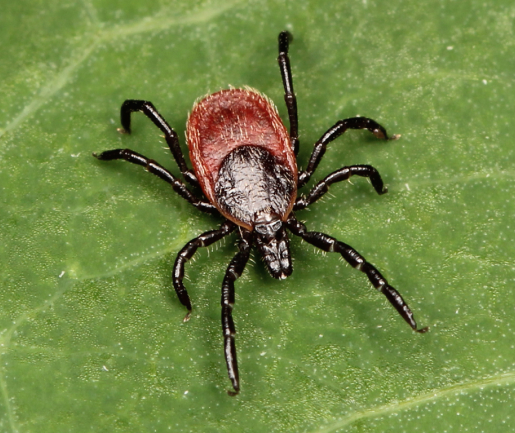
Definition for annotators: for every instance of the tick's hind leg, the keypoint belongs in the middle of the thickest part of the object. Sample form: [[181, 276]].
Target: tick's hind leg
[[334, 132], [289, 94], [187, 252], [147, 108], [329, 244], [234, 270]]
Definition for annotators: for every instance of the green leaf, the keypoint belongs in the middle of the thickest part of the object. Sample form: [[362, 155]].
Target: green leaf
[[91, 332]]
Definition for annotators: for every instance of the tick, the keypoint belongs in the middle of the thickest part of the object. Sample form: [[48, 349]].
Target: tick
[[244, 161]]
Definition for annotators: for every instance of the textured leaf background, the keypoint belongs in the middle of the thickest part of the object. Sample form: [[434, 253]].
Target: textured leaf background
[[92, 337]]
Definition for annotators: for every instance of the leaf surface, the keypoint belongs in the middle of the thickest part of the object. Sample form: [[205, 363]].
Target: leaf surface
[[91, 333]]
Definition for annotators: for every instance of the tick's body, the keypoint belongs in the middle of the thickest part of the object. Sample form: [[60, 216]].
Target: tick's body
[[244, 160], [242, 156]]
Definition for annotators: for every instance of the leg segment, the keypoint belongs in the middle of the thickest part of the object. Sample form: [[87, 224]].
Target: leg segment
[[335, 131], [154, 168], [342, 174], [187, 252], [329, 244], [234, 270], [131, 105], [289, 95]]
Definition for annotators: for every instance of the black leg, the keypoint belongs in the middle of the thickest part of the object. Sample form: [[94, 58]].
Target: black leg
[[289, 95], [329, 244], [154, 168], [131, 105], [187, 252], [234, 270], [342, 174], [335, 131]]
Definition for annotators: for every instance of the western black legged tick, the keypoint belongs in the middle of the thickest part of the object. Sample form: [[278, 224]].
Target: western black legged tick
[[244, 161]]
